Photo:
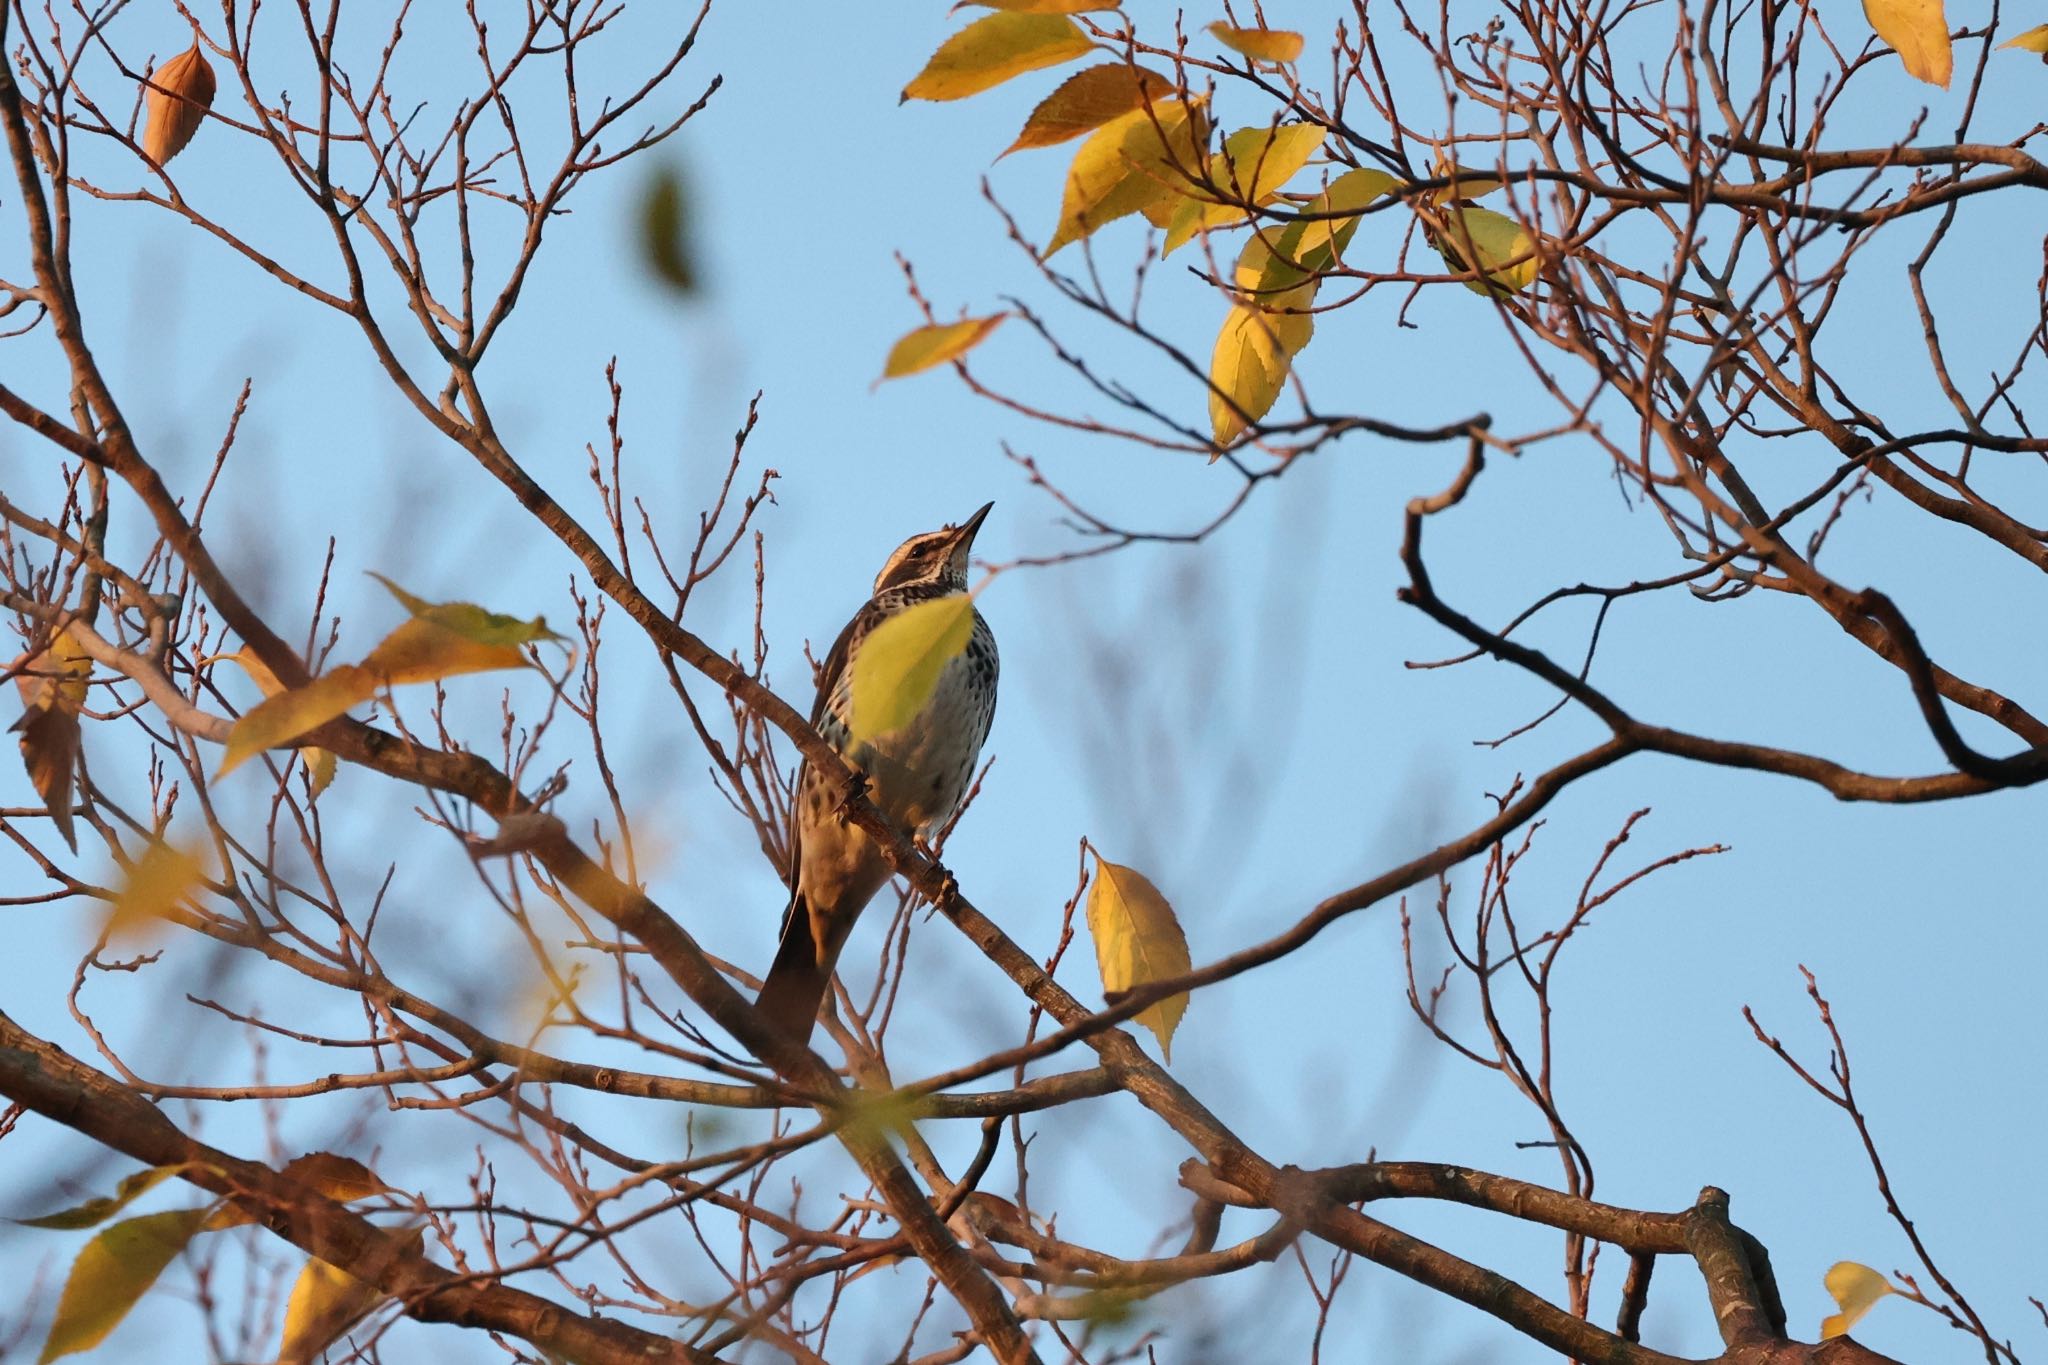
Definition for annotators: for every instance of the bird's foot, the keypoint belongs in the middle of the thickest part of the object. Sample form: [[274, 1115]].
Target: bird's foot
[[858, 787]]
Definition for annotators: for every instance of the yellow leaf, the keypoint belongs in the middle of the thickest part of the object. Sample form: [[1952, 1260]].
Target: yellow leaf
[[929, 346], [1126, 166], [288, 715], [113, 1271], [183, 93], [2034, 39], [1253, 165], [1918, 31], [1248, 370], [1855, 1288], [1137, 941], [1087, 100], [994, 48], [96, 1211], [1484, 240], [325, 1302], [425, 650], [898, 665], [53, 687], [1041, 6], [320, 762], [1323, 240], [1260, 44], [161, 878]]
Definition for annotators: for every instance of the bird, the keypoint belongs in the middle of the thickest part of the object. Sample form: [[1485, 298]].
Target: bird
[[917, 775]]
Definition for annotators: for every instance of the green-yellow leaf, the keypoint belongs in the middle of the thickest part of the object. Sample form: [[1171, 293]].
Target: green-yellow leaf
[[93, 1212], [1088, 99], [1466, 183], [113, 1271], [319, 762], [898, 665], [1260, 44], [2034, 39], [159, 880], [1253, 165], [1481, 239], [1918, 31], [1041, 6], [1137, 941], [935, 345], [1322, 240], [472, 622], [994, 48], [667, 242], [1855, 1288], [1126, 166]]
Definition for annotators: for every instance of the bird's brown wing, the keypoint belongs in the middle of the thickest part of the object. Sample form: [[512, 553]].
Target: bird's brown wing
[[828, 679]]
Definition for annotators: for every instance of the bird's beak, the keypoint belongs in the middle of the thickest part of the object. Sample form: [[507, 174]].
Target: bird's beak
[[973, 523]]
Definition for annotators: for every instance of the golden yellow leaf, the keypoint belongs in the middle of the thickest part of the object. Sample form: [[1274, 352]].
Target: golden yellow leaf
[[161, 878], [177, 105], [994, 48], [325, 1302], [288, 715], [113, 1271], [93, 1212], [1918, 31], [1481, 239], [1041, 6], [1128, 165], [53, 688], [1248, 370], [1253, 165], [1855, 1288], [1137, 941], [1260, 44], [320, 763], [2034, 39], [935, 345], [898, 665], [1088, 99]]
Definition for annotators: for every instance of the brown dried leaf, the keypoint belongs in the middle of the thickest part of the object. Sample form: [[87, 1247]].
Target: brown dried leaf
[[1087, 100], [52, 684], [182, 93]]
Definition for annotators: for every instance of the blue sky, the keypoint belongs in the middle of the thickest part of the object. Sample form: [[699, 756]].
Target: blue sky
[[1233, 718]]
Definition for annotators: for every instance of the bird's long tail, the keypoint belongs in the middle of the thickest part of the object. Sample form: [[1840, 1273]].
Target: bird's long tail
[[796, 985]]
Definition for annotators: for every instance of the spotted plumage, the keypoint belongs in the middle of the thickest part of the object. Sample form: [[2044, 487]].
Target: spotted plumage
[[917, 775]]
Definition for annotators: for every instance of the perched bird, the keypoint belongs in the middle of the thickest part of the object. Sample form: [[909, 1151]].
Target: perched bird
[[917, 775]]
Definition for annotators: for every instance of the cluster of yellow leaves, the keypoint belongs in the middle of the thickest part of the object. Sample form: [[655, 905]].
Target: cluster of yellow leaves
[[116, 1268], [440, 640], [1147, 150], [1138, 941]]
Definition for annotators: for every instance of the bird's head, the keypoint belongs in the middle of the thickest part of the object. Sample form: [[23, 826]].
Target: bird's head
[[938, 557]]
